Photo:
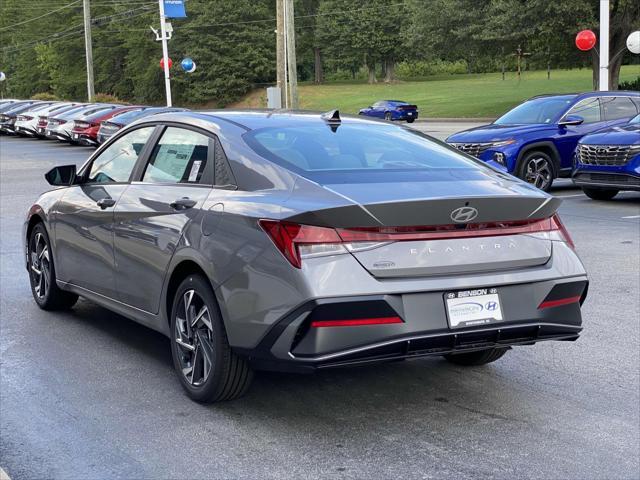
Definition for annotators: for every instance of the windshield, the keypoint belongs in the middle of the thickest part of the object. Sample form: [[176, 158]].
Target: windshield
[[538, 110], [363, 149]]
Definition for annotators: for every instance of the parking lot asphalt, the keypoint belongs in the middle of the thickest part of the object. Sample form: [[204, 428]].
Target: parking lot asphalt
[[88, 394]]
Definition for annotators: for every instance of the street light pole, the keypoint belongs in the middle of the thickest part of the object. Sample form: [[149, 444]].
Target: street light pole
[[88, 49], [603, 79], [165, 52]]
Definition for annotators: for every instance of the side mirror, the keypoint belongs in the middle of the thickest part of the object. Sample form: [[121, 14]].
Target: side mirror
[[571, 120], [61, 176]]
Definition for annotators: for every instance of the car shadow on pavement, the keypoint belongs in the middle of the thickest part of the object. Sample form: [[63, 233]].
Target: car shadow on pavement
[[398, 386]]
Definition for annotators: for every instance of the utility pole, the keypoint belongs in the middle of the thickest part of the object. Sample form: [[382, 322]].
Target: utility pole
[[281, 61], [88, 49], [603, 82], [165, 52], [290, 40]]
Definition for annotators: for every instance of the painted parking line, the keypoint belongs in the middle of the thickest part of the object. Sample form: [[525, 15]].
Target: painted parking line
[[631, 216], [570, 196], [3, 475]]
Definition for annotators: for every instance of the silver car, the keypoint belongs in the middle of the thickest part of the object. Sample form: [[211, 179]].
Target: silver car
[[59, 126], [299, 241]]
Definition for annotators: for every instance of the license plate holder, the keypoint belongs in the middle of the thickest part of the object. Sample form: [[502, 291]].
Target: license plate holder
[[473, 308]]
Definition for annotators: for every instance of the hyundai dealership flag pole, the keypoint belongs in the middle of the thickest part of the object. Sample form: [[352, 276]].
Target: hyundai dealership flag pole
[[603, 82], [165, 52]]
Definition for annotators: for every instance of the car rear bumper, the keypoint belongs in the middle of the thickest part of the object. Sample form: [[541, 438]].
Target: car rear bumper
[[25, 130], [83, 139], [294, 344]]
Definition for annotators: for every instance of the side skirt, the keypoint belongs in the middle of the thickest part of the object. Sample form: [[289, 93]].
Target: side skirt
[[148, 319]]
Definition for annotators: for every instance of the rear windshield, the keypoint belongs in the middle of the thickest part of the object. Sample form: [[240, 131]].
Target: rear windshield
[[360, 149]]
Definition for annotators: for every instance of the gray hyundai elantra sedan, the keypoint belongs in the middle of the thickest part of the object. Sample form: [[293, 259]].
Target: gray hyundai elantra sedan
[[303, 241]]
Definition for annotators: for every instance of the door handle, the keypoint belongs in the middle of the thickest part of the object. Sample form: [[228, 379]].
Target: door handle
[[106, 203], [183, 203]]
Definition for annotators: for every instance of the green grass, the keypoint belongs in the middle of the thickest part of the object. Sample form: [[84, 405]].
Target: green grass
[[464, 96]]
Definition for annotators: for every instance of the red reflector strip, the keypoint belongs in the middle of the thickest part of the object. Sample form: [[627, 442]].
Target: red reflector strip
[[557, 303], [356, 322]]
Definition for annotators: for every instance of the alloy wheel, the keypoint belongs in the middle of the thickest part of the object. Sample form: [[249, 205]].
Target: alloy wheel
[[40, 265], [194, 336], [538, 172]]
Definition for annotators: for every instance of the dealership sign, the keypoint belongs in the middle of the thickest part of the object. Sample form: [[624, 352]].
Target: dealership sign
[[174, 9]]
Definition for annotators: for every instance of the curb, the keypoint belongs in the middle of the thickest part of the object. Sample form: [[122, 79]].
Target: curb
[[456, 120]]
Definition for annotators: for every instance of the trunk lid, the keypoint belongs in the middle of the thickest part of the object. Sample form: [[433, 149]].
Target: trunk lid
[[439, 227]]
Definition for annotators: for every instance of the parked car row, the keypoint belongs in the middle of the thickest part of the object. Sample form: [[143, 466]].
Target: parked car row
[[73, 122], [593, 138]]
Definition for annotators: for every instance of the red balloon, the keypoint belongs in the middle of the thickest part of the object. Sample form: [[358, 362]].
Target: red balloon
[[585, 40], [162, 63]]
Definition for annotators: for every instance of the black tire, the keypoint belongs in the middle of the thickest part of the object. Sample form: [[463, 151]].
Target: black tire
[[228, 375], [600, 193], [42, 273], [481, 357], [537, 169], [388, 117], [411, 120]]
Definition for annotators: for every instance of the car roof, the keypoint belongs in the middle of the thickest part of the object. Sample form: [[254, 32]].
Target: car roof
[[581, 95], [261, 118]]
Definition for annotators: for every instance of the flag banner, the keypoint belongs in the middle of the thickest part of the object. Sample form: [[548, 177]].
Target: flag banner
[[174, 9]]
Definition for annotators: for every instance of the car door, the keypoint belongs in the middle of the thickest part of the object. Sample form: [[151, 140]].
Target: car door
[[379, 109], [83, 224], [591, 111], [151, 216]]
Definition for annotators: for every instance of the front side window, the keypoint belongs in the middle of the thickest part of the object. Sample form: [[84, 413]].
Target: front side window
[[616, 108], [116, 162], [179, 157], [589, 109]]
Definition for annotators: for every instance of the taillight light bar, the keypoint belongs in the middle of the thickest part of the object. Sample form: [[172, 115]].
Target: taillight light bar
[[559, 302], [356, 322], [297, 241]]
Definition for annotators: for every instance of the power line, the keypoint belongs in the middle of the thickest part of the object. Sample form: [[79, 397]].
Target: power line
[[41, 16], [79, 28]]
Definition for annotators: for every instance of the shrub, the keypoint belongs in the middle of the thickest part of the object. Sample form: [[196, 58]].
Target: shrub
[[421, 68], [44, 96], [630, 85], [106, 98]]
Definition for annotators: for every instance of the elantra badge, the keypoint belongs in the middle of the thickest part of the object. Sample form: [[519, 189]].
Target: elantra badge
[[464, 214]]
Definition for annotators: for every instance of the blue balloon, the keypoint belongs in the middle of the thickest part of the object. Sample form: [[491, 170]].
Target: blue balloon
[[188, 65]]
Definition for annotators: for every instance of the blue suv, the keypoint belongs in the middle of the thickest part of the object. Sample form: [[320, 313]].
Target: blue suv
[[609, 161], [537, 139]]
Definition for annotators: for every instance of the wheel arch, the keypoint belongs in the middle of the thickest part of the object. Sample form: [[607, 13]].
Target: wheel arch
[[547, 147]]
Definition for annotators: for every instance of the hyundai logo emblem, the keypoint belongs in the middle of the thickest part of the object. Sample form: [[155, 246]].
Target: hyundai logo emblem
[[491, 306], [464, 214]]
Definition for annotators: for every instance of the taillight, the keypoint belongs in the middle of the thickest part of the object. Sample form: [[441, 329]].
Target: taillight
[[297, 242], [24, 118], [81, 125], [558, 226]]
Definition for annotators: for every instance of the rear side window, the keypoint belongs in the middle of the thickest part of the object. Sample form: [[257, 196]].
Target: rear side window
[[589, 109], [179, 157], [616, 108], [355, 148]]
